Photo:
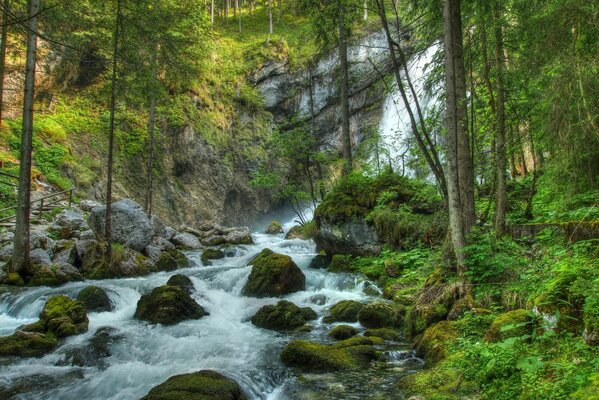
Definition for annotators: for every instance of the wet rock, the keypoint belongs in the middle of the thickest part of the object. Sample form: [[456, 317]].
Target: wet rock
[[172, 260], [186, 240], [297, 232], [183, 282], [67, 222], [318, 299], [284, 316], [125, 262], [320, 261], [315, 357], [130, 224], [274, 228], [274, 275], [95, 299], [157, 246], [345, 311], [54, 274], [202, 385], [212, 254], [61, 317], [27, 344], [383, 333], [371, 289], [168, 305], [342, 332], [93, 353], [378, 315]]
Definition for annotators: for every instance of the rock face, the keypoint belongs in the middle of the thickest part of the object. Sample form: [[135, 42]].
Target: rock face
[[168, 305], [130, 224], [95, 299], [350, 237], [284, 316], [274, 275], [202, 385]]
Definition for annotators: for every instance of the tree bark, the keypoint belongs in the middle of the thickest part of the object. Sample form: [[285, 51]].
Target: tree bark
[[4, 40], [108, 217], [501, 194], [344, 94], [270, 17], [212, 12], [21, 261], [150, 177]]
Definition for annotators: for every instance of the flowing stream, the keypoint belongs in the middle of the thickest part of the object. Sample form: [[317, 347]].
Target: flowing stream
[[142, 356]]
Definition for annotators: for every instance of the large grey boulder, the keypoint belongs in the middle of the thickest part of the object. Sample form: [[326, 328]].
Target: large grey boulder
[[186, 240], [65, 252], [158, 227], [67, 222], [89, 205], [40, 257], [156, 247], [40, 240], [130, 224], [356, 237], [239, 235]]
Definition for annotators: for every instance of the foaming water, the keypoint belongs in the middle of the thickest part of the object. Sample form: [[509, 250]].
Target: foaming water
[[144, 355]]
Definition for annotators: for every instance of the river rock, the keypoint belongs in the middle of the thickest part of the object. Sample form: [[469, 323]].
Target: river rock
[[274, 275], [212, 254], [61, 317], [157, 246], [67, 222], [95, 299], [40, 257], [130, 224], [54, 274], [344, 311], [284, 316], [320, 261], [183, 282], [93, 352], [342, 332], [125, 262], [186, 240], [297, 232], [27, 344], [357, 237], [168, 305], [274, 228], [172, 260], [202, 385], [239, 236], [378, 315]]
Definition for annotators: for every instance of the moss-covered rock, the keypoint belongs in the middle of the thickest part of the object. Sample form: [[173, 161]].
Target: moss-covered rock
[[27, 344], [315, 357], [284, 316], [274, 275], [274, 228], [344, 311], [172, 260], [95, 299], [379, 315], [340, 263], [211, 254], [342, 332], [183, 282], [297, 232], [54, 274], [320, 261], [201, 385], [511, 324], [168, 305], [125, 262], [432, 345], [460, 307], [263, 254], [14, 279], [62, 317], [383, 333]]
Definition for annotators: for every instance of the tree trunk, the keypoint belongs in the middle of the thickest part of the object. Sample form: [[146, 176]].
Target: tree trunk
[[212, 12], [150, 177], [115, 50], [238, 14], [21, 262], [344, 95], [227, 12], [4, 40], [365, 16], [270, 17], [454, 128], [501, 194]]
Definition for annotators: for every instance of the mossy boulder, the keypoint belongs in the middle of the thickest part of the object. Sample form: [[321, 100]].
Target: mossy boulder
[[212, 254], [315, 357], [124, 262], [62, 317], [342, 332], [27, 344], [274, 228], [201, 385], [95, 299], [54, 274], [432, 345], [274, 275], [340, 263], [383, 333], [172, 260], [460, 307], [168, 305], [284, 316], [344, 311], [379, 315], [263, 254], [320, 261], [13, 279], [297, 232], [510, 324], [183, 282]]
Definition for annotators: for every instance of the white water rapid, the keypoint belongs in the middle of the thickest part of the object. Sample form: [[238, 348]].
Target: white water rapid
[[395, 129], [142, 355]]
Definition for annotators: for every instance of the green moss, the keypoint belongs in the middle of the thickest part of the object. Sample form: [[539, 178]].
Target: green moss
[[181, 281], [64, 317], [590, 391], [342, 332], [212, 254], [274, 227], [283, 316], [433, 343], [340, 263], [14, 279], [274, 275], [202, 385], [168, 305], [263, 254], [383, 333], [27, 344], [171, 260], [95, 299], [315, 357], [379, 315], [358, 341], [515, 323], [345, 311]]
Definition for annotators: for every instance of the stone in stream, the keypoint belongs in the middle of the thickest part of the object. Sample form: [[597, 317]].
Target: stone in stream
[[342, 332], [274, 228], [211, 254], [93, 352], [379, 315], [125, 262], [95, 299], [344, 311], [316, 357], [186, 241], [274, 275], [284, 316], [183, 282], [54, 274], [130, 224], [201, 385], [383, 333], [157, 246], [320, 261], [168, 305], [171, 260], [297, 232]]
